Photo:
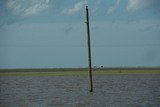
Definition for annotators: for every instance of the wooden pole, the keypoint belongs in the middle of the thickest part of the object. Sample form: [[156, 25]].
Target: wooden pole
[[89, 50]]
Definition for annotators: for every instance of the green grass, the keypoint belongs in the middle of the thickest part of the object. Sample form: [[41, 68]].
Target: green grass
[[63, 73], [105, 72], [74, 72]]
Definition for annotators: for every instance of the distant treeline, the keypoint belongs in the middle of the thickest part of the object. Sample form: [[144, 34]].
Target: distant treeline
[[76, 69], [129, 68]]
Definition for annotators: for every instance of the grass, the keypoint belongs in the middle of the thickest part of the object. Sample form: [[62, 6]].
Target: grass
[[105, 72], [74, 72], [46, 73]]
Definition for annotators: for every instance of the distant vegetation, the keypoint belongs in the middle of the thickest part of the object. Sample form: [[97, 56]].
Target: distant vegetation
[[76, 71]]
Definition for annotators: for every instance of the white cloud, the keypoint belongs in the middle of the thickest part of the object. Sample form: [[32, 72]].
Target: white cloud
[[134, 5], [113, 8], [27, 7], [76, 8]]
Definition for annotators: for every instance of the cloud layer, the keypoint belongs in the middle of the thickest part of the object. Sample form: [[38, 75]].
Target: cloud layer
[[27, 7], [134, 5], [113, 8], [76, 8]]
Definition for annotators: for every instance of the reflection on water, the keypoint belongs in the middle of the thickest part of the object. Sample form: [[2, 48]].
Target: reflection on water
[[72, 91]]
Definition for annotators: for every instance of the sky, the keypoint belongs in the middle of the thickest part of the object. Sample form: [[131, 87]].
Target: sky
[[52, 33]]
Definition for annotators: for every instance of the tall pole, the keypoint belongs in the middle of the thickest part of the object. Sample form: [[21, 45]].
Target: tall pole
[[89, 50]]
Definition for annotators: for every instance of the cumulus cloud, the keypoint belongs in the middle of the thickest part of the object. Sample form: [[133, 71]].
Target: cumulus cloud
[[76, 8], [134, 5], [113, 8], [27, 7]]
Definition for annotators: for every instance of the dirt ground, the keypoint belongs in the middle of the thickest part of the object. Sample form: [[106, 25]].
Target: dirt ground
[[73, 91]]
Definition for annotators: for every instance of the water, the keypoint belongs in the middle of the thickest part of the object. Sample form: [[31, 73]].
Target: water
[[73, 91]]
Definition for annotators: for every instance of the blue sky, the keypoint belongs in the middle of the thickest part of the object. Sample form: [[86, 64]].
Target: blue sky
[[52, 33]]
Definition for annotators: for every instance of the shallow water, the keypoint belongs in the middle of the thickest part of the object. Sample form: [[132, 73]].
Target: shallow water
[[72, 91]]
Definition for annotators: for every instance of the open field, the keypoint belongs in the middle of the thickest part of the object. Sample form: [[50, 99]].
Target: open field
[[72, 91], [73, 72], [70, 88]]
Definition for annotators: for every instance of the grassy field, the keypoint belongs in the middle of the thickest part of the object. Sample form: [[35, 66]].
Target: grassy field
[[73, 72]]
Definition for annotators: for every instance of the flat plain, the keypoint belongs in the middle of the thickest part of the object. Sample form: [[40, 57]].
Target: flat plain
[[70, 88], [74, 72]]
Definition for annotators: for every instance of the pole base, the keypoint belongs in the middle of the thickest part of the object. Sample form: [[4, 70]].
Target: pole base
[[91, 90]]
